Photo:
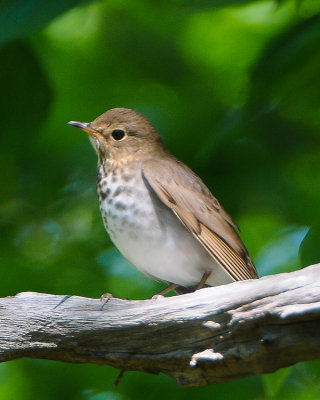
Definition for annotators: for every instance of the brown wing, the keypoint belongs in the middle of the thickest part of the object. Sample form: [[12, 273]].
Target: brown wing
[[191, 201]]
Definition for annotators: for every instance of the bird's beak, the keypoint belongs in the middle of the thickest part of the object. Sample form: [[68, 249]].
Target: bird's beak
[[85, 126]]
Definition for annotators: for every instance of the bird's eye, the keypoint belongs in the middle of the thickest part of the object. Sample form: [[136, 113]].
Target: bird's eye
[[118, 134]]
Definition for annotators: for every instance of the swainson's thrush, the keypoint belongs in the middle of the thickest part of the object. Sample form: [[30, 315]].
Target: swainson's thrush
[[159, 213]]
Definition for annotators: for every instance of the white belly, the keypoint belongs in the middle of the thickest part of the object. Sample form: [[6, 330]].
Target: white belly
[[152, 238]]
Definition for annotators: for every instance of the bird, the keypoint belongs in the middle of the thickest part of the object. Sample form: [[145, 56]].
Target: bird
[[158, 212]]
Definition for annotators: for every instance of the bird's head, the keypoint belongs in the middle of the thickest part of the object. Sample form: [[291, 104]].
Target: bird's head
[[120, 133]]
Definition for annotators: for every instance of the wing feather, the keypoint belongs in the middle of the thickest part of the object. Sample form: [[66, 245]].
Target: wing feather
[[193, 204]]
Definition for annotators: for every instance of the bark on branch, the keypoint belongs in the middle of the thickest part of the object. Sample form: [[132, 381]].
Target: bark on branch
[[212, 335]]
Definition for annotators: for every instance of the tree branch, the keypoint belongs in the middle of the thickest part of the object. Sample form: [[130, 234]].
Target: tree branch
[[212, 335]]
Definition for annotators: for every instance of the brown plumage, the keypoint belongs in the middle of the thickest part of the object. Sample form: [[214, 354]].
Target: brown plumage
[[177, 209], [185, 194]]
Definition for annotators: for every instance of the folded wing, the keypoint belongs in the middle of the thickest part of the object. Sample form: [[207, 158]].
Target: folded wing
[[186, 195]]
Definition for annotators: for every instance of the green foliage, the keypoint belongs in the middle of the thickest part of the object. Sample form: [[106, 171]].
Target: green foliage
[[310, 249], [234, 88], [21, 17]]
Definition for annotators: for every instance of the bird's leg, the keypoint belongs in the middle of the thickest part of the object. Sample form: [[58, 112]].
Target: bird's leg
[[167, 289], [203, 280]]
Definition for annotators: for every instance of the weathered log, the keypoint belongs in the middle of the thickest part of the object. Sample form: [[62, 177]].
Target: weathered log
[[215, 334]]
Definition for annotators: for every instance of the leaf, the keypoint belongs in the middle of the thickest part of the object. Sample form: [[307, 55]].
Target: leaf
[[21, 17], [310, 248], [208, 4], [286, 57], [273, 382], [27, 89]]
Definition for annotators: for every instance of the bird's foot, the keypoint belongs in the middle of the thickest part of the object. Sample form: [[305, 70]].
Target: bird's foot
[[107, 296], [157, 296]]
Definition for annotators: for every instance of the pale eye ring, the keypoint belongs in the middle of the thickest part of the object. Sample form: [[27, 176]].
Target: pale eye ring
[[118, 134]]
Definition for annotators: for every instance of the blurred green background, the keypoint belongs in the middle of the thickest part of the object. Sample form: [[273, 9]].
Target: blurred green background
[[234, 88]]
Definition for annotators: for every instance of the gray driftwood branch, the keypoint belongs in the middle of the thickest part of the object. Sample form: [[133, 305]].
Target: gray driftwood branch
[[212, 335]]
